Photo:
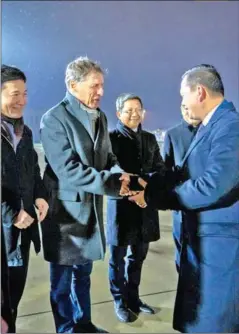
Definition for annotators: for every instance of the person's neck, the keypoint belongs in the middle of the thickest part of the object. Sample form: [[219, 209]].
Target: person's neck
[[211, 105], [10, 116], [82, 103]]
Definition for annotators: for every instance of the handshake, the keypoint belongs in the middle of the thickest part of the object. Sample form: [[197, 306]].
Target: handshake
[[133, 187]]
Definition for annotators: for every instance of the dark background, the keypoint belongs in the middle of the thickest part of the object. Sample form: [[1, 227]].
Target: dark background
[[145, 45]]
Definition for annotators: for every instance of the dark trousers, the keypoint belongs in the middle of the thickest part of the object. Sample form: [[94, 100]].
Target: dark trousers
[[70, 296], [125, 266], [17, 280]]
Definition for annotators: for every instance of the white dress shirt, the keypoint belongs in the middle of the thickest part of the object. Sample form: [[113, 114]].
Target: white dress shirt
[[209, 115]]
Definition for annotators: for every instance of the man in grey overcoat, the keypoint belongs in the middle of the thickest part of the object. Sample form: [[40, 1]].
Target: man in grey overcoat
[[80, 169]]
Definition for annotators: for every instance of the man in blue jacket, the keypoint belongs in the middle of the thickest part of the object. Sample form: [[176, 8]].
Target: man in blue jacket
[[208, 289]]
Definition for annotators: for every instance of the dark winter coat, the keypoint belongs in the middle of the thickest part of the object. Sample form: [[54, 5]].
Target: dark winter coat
[[137, 153]]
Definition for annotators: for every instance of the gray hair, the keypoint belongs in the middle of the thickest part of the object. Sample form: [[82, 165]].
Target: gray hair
[[206, 75], [125, 97], [80, 68]]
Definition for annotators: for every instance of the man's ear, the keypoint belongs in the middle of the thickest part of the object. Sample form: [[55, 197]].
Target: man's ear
[[72, 85], [118, 114], [143, 116], [201, 93]]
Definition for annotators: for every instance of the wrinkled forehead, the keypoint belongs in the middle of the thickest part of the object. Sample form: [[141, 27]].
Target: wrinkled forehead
[[94, 78]]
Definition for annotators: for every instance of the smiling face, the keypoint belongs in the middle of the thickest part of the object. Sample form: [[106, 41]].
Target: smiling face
[[131, 114], [90, 90], [14, 98]]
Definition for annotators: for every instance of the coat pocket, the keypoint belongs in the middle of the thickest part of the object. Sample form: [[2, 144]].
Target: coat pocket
[[64, 205]]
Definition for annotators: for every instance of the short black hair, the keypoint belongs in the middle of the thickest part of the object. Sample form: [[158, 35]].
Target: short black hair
[[10, 73], [206, 75]]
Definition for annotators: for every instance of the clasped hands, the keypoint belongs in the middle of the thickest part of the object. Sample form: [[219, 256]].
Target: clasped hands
[[24, 220], [136, 196]]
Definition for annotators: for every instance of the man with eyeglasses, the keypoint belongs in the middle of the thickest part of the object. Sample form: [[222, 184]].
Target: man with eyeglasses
[[129, 227]]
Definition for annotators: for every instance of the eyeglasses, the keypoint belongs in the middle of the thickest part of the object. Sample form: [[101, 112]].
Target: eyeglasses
[[131, 111]]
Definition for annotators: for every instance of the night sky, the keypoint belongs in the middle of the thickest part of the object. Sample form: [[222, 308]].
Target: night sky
[[146, 46]]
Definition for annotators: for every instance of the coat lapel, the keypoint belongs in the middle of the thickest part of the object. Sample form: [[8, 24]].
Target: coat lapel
[[100, 134], [99, 131], [73, 106], [196, 141], [225, 105], [5, 133]]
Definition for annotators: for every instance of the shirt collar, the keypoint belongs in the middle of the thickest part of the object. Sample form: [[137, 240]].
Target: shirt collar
[[209, 115], [91, 111]]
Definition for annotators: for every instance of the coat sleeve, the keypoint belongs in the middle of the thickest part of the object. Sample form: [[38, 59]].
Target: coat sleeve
[[221, 175], [39, 189], [113, 163], [167, 152], [219, 178], [67, 165], [158, 163]]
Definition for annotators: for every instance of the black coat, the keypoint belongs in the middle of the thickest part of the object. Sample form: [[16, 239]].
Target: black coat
[[21, 185], [128, 224], [176, 143]]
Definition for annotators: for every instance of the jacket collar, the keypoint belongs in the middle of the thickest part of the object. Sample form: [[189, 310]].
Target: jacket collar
[[220, 111], [127, 132], [74, 107]]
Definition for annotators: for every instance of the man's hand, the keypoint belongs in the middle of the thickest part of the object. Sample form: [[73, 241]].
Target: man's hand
[[43, 207], [139, 199], [23, 220], [4, 326], [125, 183], [125, 180], [125, 177], [142, 182]]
